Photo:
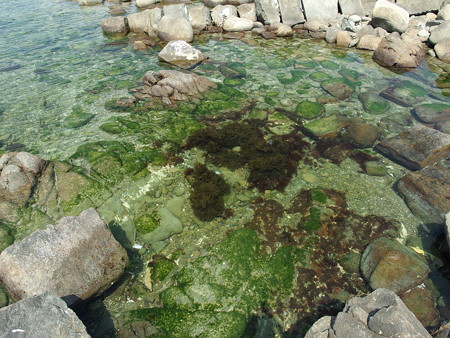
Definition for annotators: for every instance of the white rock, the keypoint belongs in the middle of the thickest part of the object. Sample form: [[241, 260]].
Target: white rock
[[175, 28], [178, 10], [389, 16], [442, 49], [444, 13], [220, 13], [199, 16], [281, 29], [89, 2], [291, 12], [145, 3], [440, 33], [180, 52], [247, 11], [268, 11], [320, 10], [354, 18], [235, 24], [351, 7], [145, 21]]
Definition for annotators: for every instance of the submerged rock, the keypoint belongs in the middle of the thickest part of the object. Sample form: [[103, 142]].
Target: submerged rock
[[326, 127], [75, 259], [40, 316], [433, 112], [374, 103], [181, 54], [405, 93], [362, 134], [340, 88]]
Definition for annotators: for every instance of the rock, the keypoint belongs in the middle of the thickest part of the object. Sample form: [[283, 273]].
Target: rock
[[340, 88], [145, 3], [444, 13], [268, 35], [405, 93], [139, 45], [220, 13], [291, 12], [181, 54], [416, 147], [40, 316], [175, 28], [326, 127], [177, 10], [199, 16], [169, 225], [268, 11], [374, 103], [117, 10], [76, 259], [419, 6], [115, 26], [362, 134], [90, 2], [441, 32], [402, 52], [355, 19], [282, 30], [145, 21], [380, 314], [389, 17], [235, 24], [433, 112], [426, 193], [309, 110], [376, 168], [323, 10], [351, 7], [386, 263], [331, 35], [316, 25], [247, 11], [443, 127], [420, 301], [442, 49], [368, 42], [343, 39]]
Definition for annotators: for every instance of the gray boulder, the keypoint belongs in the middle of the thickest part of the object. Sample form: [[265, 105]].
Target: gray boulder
[[444, 13], [145, 21], [115, 26], [181, 54], [401, 52], [390, 17], [220, 13], [442, 49], [199, 16], [40, 316], [268, 11], [175, 28], [440, 33], [235, 24], [380, 314], [291, 12], [351, 7], [178, 10], [75, 259], [320, 10], [419, 6], [247, 11]]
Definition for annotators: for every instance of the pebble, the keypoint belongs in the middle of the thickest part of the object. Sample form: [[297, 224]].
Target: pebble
[[354, 18], [309, 178]]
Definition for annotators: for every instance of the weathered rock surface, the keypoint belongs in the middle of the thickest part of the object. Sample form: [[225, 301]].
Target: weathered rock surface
[[320, 10], [351, 7], [199, 16], [268, 11], [75, 259], [145, 21], [343, 39], [386, 263], [426, 193], [181, 54], [420, 301], [389, 17], [416, 147], [41, 316], [115, 25], [440, 33], [235, 24], [402, 52], [380, 314], [442, 50], [291, 12], [178, 10], [175, 28]]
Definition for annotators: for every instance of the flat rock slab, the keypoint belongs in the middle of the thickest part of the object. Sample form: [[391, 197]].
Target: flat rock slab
[[40, 316], [75, 259], [326, 127], [405, 93], [416, 147], [427, 193], [433, 112]]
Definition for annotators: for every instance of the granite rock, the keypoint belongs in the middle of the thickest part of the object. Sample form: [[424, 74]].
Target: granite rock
[[401, 52], [199, 16], [442, 50], [181, 54], [268, 11], [351, 7], [291, 12], [173, 27], [389, 16], [235, 24], [145, 21], [320, 10]]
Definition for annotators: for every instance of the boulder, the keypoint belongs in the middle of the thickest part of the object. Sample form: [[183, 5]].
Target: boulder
[[368, 42], [199, 16], [380, 314], [175, 28], [363, 135], [247, 11], [426, 193], [235, 24], [386, 263], [291, 12], [145, 21], [178, 10], [115, 26], [389, 16], [331, 35], [416, 147], [440, 33], [90, 2], [268, 11], [282, 30], [420, 301], [145, 3], [181, 54], [374, 103], [401, 52], [220, 13], [43, 315], [320, 10], [442, 50], [444, 13], [316, 25], [414, 7], [75, 259], [405, 93], [350, 7], [343, 39]]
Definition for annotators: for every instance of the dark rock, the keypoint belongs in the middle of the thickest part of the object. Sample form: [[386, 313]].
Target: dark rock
[[420, 301], [426, 193], [433, 112], [363, 135], [380, 314], [76, 259], [401, 52], [386, 263], [416, 147], [40, 316], [269, 35]]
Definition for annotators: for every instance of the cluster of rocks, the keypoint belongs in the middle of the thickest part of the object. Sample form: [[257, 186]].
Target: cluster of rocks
[[390, 31]]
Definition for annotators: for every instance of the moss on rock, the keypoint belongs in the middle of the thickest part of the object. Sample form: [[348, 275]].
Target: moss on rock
[[77, 118], [309, 110]]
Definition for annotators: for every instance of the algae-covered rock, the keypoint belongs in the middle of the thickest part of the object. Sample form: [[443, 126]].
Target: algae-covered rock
[[6, 237], [233, 70], [340, 88], [296, 75], [374, 103], [168, 226], [420, 301], [326, 127], [309, 110], [319, 76], [350, 74], [433, 112], [405, 93], [329, 64], [77, 118]]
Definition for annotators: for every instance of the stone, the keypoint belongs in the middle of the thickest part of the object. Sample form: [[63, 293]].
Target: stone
[[117, 10], [282, 30], [169, 225], [440, 33], [75, 259], [199, 16], [420, 301], [433, 112], [268, 35], [343, 39], [363, 135], [139, 45], [327, 127], [401, 52], [426, 193], [178, 10], [175, 28], [309, 110], [350, 7], [385, 263], [355, 19], [443, 127], [247, 11], [320, 10], [145, 21], [416, 147], [316, 25], [331, 35], [43, 315], [90, 2], [368, 42], [444, 13], [375, 168], [405, 93], [291, 12], [374, 103], [442, 50], [235, 24], [220, 13], [414, 7], [115, 26], [380, 314], [389, 17], [268, 11], [145, 3], [181, 54], [340, 88]]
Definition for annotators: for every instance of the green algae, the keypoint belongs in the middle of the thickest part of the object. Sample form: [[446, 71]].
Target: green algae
[[319, 76], [309, 110], [6, 236], [234, 82], [313, 221], [147, 223], [328, 64], [233, 70], [296, 75], [373, 103], [319, 196], [161, 268], [350, 74], [78, 118]]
